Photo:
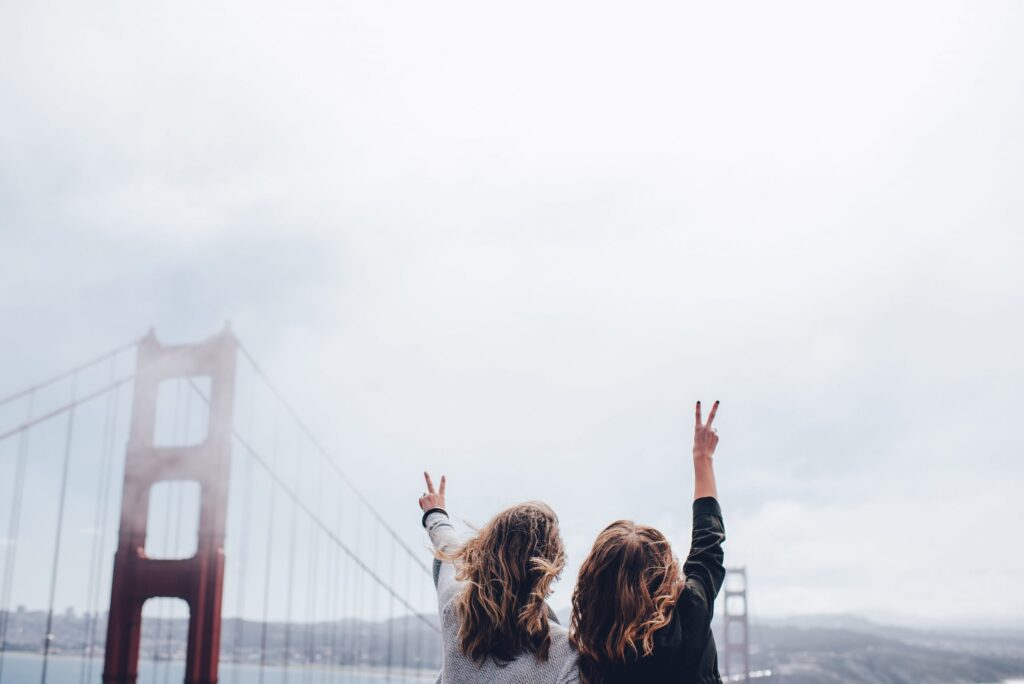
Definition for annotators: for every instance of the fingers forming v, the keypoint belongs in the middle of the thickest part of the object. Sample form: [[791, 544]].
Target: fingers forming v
[[711, 416]]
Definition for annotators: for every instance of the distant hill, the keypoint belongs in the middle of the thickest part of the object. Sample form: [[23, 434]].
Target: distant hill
[[828, 649], [848, 649]]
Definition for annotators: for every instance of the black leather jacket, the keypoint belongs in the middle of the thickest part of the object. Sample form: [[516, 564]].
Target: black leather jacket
[[684, 650]]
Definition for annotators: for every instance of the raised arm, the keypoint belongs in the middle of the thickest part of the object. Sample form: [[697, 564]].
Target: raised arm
[[704, 569], [442, 536], [705, 439]]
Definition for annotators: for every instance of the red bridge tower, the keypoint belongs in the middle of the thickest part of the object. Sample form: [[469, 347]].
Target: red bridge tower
[[198, 580]]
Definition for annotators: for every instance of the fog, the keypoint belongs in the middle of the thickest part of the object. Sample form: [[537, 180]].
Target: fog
[[514, 244]]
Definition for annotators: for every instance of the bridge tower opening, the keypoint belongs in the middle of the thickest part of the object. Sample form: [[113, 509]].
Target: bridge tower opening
[[199, 579]]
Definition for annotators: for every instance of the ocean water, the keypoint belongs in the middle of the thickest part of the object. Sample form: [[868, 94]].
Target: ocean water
[[23, 668]]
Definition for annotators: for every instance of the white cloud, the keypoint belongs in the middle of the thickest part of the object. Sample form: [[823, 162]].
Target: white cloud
[[517, 244]]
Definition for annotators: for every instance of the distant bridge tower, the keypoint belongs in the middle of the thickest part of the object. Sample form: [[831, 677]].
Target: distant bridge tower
[[736, 628], [198, 580]]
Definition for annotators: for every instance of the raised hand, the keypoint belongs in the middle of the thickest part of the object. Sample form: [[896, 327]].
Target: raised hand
[[430, 498], [705, 437]]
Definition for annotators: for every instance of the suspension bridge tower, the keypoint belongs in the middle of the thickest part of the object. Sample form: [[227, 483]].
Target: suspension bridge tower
[[198, 580], [736, 628]]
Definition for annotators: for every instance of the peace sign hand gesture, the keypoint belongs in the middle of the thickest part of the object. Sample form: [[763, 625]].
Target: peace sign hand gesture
[[705, 437], [430, 498]]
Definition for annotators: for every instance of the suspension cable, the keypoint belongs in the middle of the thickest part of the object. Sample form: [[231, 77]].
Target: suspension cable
[[405, 631], [99, 529], [277, 481], [13, 525], [243, 564], [103, 532], [243, 552], [330, 458], [330, 608], [301, 505], [68, 373], [270, 548], [391, 619], [419, 632], [312, 581], [293, 537], [358, 598], [48, 636], [70, 406], [336, 586]]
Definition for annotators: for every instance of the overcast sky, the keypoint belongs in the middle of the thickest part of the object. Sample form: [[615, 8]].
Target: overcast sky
[[514, 244]]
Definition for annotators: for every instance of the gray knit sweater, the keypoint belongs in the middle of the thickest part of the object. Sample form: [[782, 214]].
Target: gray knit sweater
[[559, 668]]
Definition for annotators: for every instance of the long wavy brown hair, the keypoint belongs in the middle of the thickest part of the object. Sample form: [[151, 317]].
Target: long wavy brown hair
[[509, 567], [626, 590]]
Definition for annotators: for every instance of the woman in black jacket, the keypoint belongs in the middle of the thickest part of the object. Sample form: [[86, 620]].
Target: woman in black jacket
[[638, 617]]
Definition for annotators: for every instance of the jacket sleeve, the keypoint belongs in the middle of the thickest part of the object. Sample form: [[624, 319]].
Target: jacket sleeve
[[704, 568], [443, 537]]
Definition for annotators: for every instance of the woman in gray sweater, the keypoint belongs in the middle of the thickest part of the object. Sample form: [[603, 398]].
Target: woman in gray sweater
[[496, 625]]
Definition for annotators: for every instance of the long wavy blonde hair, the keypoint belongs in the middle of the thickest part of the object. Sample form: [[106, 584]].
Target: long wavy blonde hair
[[509, 567], [626, 591]]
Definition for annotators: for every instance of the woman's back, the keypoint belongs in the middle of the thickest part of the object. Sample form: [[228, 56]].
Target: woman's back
[[638, 616], [456, 668], [495, 623], [684, 649]]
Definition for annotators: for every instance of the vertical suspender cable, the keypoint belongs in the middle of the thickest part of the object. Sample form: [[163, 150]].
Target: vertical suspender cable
[[240, 603], [90, 649], [346, 579], [375, 609], [244, 550], [48, 636], [391, 618], [336, 584], [407, 623], [329, 458], [310, 596], [362, 650], [311, 592], [99, 525], [330, 612], [359, 629], [419, 632], [357, 587], [13, 525], [270, 555], [95, 554], [291, 577]]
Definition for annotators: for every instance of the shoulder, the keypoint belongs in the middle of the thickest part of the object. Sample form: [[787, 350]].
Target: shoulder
[[692, 614], [560, 646], [563, 656], [449, 608], [560, 637]]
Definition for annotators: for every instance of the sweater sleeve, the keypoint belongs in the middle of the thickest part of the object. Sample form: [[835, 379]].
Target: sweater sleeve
[[442, 536], [704, 568]]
